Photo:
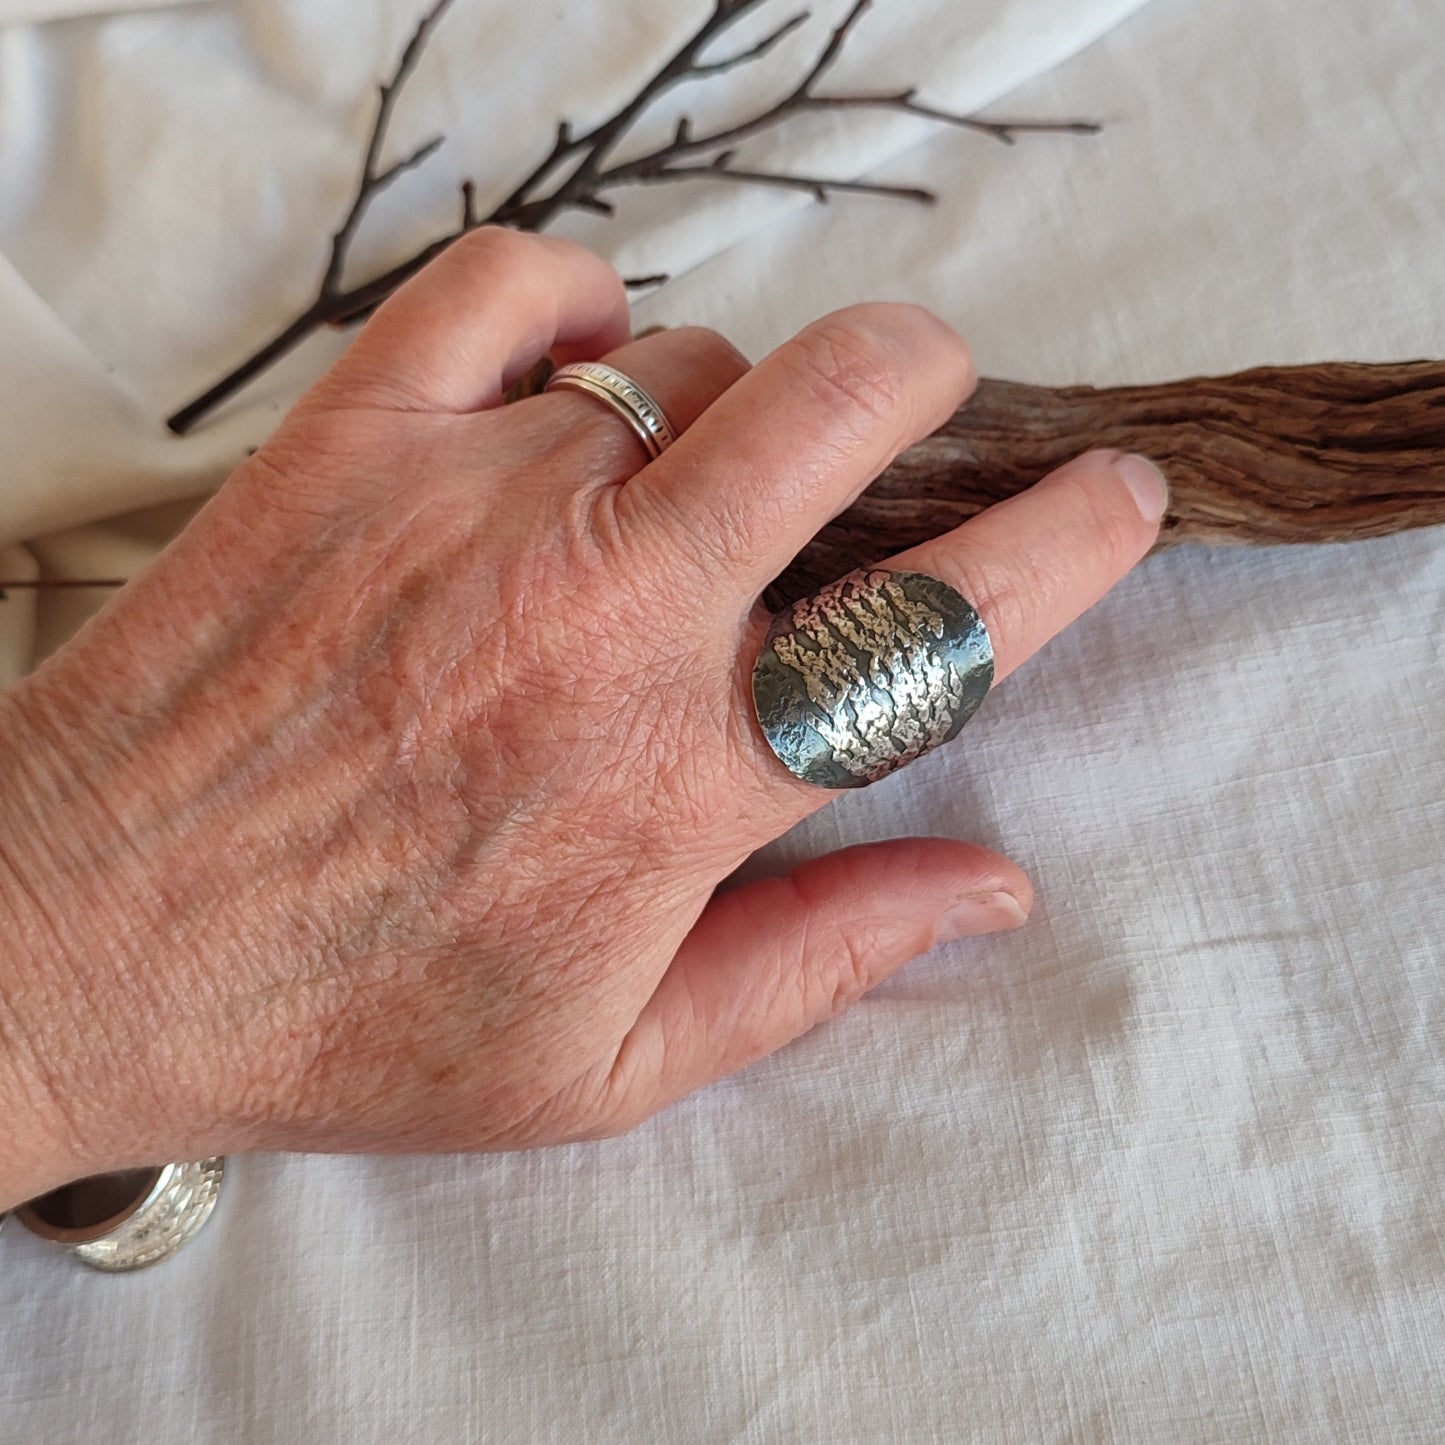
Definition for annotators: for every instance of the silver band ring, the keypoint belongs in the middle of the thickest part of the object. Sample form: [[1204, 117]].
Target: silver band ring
[[125, 1221], [872, 672], [624, 396]]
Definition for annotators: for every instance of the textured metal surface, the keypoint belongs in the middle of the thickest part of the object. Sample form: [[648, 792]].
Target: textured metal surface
[[859, 679], [179, 1205], [173, 1210], [623, 395]]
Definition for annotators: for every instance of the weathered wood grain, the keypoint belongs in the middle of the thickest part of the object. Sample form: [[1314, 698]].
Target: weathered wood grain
[[1324, 453]]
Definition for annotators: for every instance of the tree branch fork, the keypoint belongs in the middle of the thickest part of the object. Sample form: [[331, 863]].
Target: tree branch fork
[[580, 168], [1323, 453]]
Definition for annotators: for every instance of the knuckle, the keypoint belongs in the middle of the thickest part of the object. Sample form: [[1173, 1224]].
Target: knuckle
[[623, 1120], [494, 245], [908, 320], [1005, 600], [852, 968], [519, 255], [329, 449], [486, 249], [922, 339], [842, 360], [838, 959], [606, 1110], [277, 489]]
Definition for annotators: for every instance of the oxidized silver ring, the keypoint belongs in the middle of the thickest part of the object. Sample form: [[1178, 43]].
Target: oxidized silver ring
[[872, 672], [624, 396], [124, 1221]]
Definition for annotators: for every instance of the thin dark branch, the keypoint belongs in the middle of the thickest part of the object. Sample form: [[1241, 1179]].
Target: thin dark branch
[[753, 52], [834, 47], [370, 181], [598, 143], [1006, 131], [541, 196], [563, 145], [799, 98], [334, 306], [804, 98], [286, 341], [384, 178], [358, 303], [595, 204], [818, 186]]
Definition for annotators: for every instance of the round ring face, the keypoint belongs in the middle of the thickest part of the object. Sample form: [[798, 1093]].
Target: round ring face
[[872, 672]]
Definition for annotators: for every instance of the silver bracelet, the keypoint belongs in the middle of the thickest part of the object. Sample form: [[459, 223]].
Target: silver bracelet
[[127, 1220]]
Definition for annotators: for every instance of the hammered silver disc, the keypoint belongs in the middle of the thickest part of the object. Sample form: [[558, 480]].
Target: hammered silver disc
[[868, 674]]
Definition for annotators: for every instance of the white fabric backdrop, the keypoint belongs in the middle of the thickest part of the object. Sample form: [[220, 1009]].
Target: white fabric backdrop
[[1162, 1166]]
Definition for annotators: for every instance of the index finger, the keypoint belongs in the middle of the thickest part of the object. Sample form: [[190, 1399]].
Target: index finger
[[487, 308]]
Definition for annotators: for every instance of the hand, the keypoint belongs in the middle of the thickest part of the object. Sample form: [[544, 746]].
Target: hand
[[385, 810]]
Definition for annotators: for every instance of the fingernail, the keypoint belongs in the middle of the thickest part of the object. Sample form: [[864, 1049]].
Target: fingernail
[[980, 913], [1147, 485]]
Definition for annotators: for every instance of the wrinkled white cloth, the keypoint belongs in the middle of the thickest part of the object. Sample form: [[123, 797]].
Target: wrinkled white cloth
[[1164, 1165]]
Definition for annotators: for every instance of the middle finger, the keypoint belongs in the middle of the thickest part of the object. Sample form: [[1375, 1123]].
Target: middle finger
[[1029, 566]]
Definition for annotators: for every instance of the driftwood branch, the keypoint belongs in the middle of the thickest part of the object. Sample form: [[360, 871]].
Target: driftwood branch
[[579, 167], [1327, 453], [1330, 453]]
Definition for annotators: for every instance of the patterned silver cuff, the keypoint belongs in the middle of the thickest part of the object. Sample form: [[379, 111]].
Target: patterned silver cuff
[[125, 1221], [872, 672]]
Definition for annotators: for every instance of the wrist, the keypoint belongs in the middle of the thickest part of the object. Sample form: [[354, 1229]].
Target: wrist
[[55, 1059]]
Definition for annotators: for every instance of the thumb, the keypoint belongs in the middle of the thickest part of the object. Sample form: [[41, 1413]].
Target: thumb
[[768, 961]]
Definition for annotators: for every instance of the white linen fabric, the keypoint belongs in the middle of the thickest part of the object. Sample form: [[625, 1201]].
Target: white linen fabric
[[21, 12], [1164, 1165]]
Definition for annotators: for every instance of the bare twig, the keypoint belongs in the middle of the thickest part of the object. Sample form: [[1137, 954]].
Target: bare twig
[[328, 306], [373, 181], [578, 168], [753, 52], [1006, 131], [819, 187], [660, 165]]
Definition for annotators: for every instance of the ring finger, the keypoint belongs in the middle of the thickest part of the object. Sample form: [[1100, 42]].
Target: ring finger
[[1032, 564]]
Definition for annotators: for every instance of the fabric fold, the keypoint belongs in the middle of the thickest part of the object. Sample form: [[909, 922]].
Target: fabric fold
[[32, 12]]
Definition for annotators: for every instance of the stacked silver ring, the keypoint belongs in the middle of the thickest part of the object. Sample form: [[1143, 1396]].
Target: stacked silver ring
[[622, 395]]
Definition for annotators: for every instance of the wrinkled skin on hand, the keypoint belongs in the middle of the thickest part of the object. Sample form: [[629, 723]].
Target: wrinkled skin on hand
[[385, 810]]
